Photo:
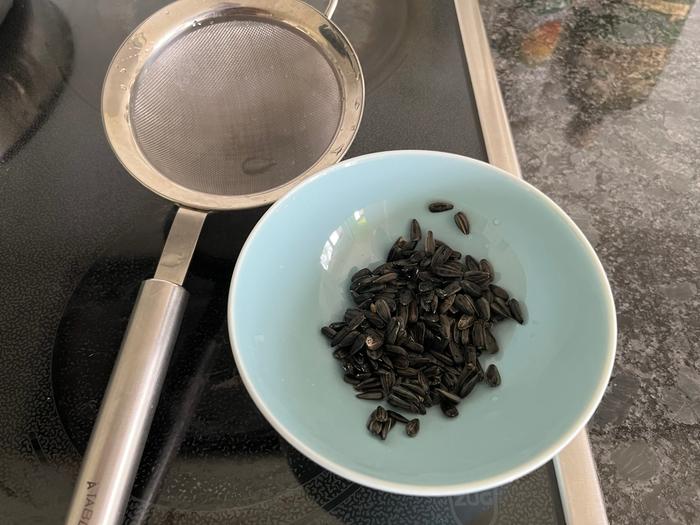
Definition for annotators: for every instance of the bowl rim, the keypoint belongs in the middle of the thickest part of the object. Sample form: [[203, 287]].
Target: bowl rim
[[413, 489]]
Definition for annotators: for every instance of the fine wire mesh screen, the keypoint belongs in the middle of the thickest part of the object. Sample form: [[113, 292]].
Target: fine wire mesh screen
[[235, 107]]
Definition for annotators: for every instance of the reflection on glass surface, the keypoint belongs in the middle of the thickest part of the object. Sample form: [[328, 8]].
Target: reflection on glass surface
[[609, 55], [36, 51]]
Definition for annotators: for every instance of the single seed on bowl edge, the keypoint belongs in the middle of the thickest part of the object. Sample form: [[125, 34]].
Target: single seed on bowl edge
[[439, 206], [493, 376], [462, 222]]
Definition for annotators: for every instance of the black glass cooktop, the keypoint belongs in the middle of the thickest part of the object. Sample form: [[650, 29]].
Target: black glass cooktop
[[77, 236]]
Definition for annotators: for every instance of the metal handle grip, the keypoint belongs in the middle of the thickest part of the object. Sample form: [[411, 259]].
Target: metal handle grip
[[118, 438]]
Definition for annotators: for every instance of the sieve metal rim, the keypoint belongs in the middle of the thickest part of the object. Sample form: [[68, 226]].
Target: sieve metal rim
[[172, 20]]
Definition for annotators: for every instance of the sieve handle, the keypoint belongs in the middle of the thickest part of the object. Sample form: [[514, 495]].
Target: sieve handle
[[118, 438], [330, 8]]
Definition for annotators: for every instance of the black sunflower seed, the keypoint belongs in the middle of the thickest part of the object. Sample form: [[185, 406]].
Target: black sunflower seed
[[407, 372], [439, 206], [384, 268], [415, 230], [358, 344], [471, 356], [431, 318], [375, 427], [499, 292], [359, 297], [478, 334], [382, 307], [486, 267], [414, 346], [413, 386], [490, 344], [356, 320], [429, 243], [392, 330], [471, 288], [465, 304], [469, 385], [434, 302], [397, 417], [412, 312], [328, 332], [380, 414], [406, 394], [441, 256], [456, 353], [465, 321], [371, 383], [446, 304], [351, 380], [452, 288], [340, 335], [364, 272], [515, 310], [419, 332], [394, 349], [386, 427], [446, 325], [425, 286], [455, 336], [476, 276], [422, 380], [400, 362], [472, 264], [371, 395], [449, 409], [499, 307], [374, 339], [448, 396], [483, 308], [375, 320], [387, 379], [371, 419], [374, 354], [349, 339], [405, 297], [447, 271], [386, 278], [462, 222], [493, 376], [399, 403], [464, 337], [412, 427]]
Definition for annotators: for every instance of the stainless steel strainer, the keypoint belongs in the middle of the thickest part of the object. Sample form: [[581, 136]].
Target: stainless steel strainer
[[214, 105]]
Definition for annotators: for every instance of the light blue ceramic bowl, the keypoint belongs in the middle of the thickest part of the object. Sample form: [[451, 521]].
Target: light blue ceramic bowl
[[291, 278]]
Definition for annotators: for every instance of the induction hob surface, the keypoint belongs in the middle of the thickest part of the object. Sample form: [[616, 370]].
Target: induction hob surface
[[78, 235]]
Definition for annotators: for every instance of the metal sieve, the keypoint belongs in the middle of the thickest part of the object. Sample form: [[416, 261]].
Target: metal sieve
[[214, 105]]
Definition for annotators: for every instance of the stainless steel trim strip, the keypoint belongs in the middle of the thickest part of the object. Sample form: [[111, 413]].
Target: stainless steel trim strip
[[581, 496], [577, 477], [489, 102]]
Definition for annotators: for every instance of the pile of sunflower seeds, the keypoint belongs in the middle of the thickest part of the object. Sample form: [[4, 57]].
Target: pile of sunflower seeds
[[421, 321]]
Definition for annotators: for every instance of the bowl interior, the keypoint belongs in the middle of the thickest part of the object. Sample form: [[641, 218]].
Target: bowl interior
[[292, 278]]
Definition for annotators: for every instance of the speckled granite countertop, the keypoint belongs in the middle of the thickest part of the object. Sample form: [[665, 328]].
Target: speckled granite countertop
[[604, 104]]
